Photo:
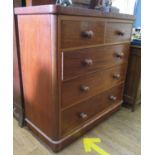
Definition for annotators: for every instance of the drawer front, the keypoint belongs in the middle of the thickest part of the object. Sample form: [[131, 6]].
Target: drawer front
[[81, 33], [86, 60], [117, 32], [77, 115], [81, 88]]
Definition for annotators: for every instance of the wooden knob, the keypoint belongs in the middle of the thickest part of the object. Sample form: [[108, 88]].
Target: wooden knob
[[116, 76], [88, 62], [84, 88], [120, 33], [113, 98], [83, 115], [88, 34], [120, 54]]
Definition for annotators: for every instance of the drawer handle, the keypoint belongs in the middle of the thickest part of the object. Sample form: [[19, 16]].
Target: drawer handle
[[88, 34], [88, 62], [120, 54], [113, 98], [116, 76], [83, 115], [120, 33], [84, 88]]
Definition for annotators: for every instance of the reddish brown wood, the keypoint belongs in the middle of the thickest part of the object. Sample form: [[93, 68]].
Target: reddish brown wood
[[116, 32], [89, 109], [57, 9], [49, 100], [102, 58], [80, 33], [72, 136], [96, 83], [38, 60]]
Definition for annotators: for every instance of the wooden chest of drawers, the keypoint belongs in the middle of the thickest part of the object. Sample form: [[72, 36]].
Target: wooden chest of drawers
[[73, 65]]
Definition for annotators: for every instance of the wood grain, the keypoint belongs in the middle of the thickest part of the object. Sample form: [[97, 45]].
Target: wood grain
[[72, 33], [97, 82], [116, 32], [39, 72], [45, 34], [102, 58], [57, 9], [89, 109]]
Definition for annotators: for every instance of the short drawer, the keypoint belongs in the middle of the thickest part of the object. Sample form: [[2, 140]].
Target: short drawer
[[77, 115], [87, 60], [81, 33], [117, 32], [82, 88]]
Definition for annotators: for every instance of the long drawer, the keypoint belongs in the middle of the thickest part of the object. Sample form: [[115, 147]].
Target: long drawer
[[77, 115], [82, 61], [81, 88], [117, 32]]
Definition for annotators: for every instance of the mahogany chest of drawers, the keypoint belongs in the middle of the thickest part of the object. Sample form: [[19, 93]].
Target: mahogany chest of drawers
[[73, 65]]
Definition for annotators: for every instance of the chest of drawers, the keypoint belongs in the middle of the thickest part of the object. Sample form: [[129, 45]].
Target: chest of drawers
[[73, 65]]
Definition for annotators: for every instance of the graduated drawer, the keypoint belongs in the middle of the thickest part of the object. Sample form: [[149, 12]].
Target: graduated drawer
[[86, 60], [117, 32], [77, 115], [82, 88], [76, 33]]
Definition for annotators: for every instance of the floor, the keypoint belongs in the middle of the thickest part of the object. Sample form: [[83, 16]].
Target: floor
[[120, 135]]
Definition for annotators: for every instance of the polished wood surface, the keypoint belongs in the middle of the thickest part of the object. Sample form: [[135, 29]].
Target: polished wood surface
[[46, 39], [83, 32], [57, 9], [132, 94], [73, 91], [79, 114], [79, 62], [116, 32], [39, 71]]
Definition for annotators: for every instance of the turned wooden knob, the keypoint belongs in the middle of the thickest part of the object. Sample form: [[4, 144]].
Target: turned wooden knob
[[120, 54], [120, 33], [84, 88], [116, 76], [88, 62], [88, 34], [113, 98], [83, 115]]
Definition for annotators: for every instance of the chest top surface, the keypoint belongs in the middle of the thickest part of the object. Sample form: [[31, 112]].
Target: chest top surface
[[60, 10]]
